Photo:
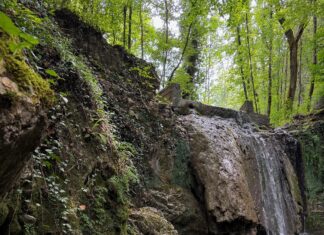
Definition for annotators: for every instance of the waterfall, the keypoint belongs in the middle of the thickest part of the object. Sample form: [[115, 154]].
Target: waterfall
[[251, 170], [272, 191]]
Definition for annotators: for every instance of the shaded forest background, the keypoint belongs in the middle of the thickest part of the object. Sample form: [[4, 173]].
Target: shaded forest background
[[222, 52]]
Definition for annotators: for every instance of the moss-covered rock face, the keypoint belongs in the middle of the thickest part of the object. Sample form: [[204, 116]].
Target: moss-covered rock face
[[149, 220], [4, 211], [29, 83], [309, 131], [23, 96], [114, 161]]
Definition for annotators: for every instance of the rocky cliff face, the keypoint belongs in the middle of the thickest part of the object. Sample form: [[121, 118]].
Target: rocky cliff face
[[114, 160], [309, 130]]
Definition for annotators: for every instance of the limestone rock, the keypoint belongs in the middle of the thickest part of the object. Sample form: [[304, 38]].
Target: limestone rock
[[148, 220]]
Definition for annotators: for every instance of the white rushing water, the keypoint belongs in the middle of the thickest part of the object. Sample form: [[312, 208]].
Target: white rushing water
[[272, 192]]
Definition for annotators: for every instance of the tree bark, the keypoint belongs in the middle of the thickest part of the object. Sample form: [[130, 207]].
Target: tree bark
[[166, 22], [250, 62], [300, 74], [241, 63], [283, 98], [293, 58], [183, 52], [312, 85], [270, 70], [124, 30], [270, 80], [130, 27], [142, 29]]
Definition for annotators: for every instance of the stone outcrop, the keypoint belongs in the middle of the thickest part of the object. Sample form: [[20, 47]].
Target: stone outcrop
[[22, 124], [309, 130], [148, 220], [172, 94], [185, 168], [239, 170]]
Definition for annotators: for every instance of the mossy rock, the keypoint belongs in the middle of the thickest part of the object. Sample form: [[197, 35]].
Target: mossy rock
[[29, 82], [4, 211], [15, 227]]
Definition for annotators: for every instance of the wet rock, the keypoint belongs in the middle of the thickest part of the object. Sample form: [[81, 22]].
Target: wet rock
[[247, 107], [28, 219], [4, 211], [148, 220], [22, 125], [246, 176], [218, 163], [180, 207]]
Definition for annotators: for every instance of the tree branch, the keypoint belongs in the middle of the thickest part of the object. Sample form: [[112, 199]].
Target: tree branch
[[183, 52], [300, 32], [288, 33]]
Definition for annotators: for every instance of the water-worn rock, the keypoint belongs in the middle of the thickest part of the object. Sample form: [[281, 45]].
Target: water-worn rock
[[246, 175], [181, 208], [309, 130], [148, 220]]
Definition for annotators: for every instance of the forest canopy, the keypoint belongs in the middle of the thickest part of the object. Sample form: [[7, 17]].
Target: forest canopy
[[221, 52]]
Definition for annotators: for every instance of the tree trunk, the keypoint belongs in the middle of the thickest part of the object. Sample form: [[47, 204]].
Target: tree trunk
[[293, 59], [293, 49], [166, 22], [191, 68], [300, 74], [124, 32], [130, 27], [270, 80], [283, 98], [142, 29], [312, 85], [250, 62], [270, 70], [241, 62], [183, 52]]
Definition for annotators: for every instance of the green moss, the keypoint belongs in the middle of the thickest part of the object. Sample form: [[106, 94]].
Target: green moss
[[180, 172], [28, 80], [4, 211], [15, 227]]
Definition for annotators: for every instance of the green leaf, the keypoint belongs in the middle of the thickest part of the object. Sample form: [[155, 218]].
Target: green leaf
[[51, 72], [7, 25], [29, 38], [18, 46]]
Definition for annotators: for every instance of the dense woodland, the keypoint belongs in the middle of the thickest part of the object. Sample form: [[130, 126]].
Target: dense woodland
[[92, 143], [222, 52]]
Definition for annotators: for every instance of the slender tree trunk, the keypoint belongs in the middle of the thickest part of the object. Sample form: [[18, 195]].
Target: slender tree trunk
[[130, 27], [183, 52], [208, 75], [142, 29], [270, 81], [312, 85], [293, 59], [293, 49], [286, 79], [192, 67], [270, 70], [300, 74], [280, 73], [250, 62], [166, 22], [241, 62], [124, 29]]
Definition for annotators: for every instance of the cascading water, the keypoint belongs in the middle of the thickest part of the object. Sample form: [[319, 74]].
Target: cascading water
[[275, 203], [253, 165]]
